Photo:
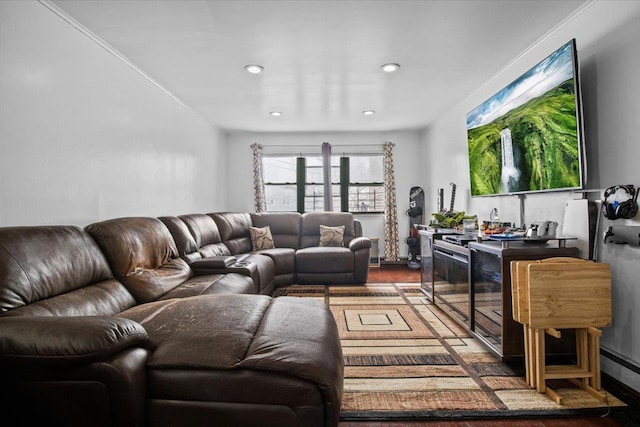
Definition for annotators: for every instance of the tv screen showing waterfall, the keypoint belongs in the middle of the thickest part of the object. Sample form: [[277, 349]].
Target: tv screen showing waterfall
[[528, 137]]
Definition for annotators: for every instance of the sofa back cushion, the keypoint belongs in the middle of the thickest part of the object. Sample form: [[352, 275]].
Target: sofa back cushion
[[56, 271], [234, 231], [285, 227], [185, 243], [142, 255], [206, 235], [311, 222]]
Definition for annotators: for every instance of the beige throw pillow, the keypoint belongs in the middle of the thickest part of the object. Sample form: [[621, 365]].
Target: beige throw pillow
[[261, 238], [331, 236]]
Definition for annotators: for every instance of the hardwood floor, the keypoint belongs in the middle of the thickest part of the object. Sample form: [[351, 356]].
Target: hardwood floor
[[548, 422], [629, 418]]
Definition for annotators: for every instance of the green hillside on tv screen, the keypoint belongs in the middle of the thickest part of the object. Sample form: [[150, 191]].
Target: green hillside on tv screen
[[523, 141]]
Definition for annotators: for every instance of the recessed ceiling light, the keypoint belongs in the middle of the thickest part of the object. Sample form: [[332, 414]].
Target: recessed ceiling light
[[390, 68], [276, 113], [254, 69], [368, 112]]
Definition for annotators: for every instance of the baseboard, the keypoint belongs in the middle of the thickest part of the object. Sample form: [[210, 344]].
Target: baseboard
[[627, 416], [401, 261], [623, 391]]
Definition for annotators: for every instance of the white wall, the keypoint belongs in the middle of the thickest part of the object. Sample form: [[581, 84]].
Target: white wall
[[407, 164], [84, 137], [607, 34]]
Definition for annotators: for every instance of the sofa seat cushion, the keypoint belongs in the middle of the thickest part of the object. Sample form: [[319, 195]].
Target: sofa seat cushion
[[283, 259], [324, 260], [242, 350], [231, 283]]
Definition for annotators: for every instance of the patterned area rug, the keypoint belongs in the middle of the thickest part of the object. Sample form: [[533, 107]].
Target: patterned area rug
[[405, 359]]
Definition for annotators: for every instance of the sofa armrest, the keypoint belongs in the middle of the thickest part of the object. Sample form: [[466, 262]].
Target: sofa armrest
[[66, 340], [221, 262], [359, 243]]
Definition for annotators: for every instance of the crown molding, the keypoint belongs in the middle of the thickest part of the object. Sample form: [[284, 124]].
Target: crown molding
[[113, 51]]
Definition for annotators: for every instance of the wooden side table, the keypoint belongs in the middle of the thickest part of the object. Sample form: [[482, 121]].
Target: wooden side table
[[562, 293]]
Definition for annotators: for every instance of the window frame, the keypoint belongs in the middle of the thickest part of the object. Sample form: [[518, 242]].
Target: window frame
[[341, 190]]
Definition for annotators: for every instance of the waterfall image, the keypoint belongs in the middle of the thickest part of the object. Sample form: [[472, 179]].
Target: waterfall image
[[510, 173]]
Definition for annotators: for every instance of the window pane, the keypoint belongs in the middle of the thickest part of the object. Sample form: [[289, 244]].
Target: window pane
[[314, 198], [314, 170], [366, 198], [279, 169], [280, 197], [366, 169]]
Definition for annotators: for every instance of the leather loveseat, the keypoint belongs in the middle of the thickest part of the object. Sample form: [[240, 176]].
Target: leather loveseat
[[111, 326]]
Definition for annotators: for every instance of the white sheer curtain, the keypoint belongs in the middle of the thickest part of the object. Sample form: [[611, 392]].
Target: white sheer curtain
[[326, 175], [259, 198], [391, 252]]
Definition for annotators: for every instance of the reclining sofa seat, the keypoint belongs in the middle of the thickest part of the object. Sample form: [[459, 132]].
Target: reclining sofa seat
[[333, 264], [198, 243], [62, 348], [285, 230], [143, 256], [75, 343]]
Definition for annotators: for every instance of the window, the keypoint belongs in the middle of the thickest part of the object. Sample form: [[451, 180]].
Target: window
[[359, 177], [314, 190], [280, 183], [366, 184]]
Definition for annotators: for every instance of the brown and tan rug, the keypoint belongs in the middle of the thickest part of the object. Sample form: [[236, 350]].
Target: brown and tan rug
[[405, 359]]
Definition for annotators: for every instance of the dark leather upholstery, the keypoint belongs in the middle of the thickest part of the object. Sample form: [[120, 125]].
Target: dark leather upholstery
[[311, 264], [285, 230], [234, 231], [258, 356], [76, 347], [60, 350], [144, 257], [284, 226], [35, 288], [325, 265], [206, 235], [311, 222], [203, 240]]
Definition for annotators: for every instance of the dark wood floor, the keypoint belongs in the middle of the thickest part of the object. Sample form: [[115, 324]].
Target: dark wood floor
[[549, 422], [630, 418]]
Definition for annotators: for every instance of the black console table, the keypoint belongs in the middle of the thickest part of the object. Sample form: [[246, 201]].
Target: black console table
[[471, 282]]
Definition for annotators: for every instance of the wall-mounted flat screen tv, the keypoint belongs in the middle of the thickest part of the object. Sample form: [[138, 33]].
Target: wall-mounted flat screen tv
[[528, 137]]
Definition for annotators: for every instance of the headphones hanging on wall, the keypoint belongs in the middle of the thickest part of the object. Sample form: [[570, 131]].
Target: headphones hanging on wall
[[620, 201]]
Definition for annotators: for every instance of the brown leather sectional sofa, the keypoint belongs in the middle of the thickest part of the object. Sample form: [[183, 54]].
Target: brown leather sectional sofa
[[132, 322]]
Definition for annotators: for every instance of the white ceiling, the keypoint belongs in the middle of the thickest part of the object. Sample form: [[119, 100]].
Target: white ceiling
[[321, 58]]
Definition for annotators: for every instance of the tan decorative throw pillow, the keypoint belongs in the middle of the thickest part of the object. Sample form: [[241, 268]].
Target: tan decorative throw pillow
[[261, 238], [331, 236]]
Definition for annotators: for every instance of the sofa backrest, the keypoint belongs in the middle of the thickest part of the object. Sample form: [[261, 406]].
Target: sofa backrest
[[234, 231], [56, 271], [284, 226], [206, 235], [196, 236], [185, 243], [311, 221], [142, 255]]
